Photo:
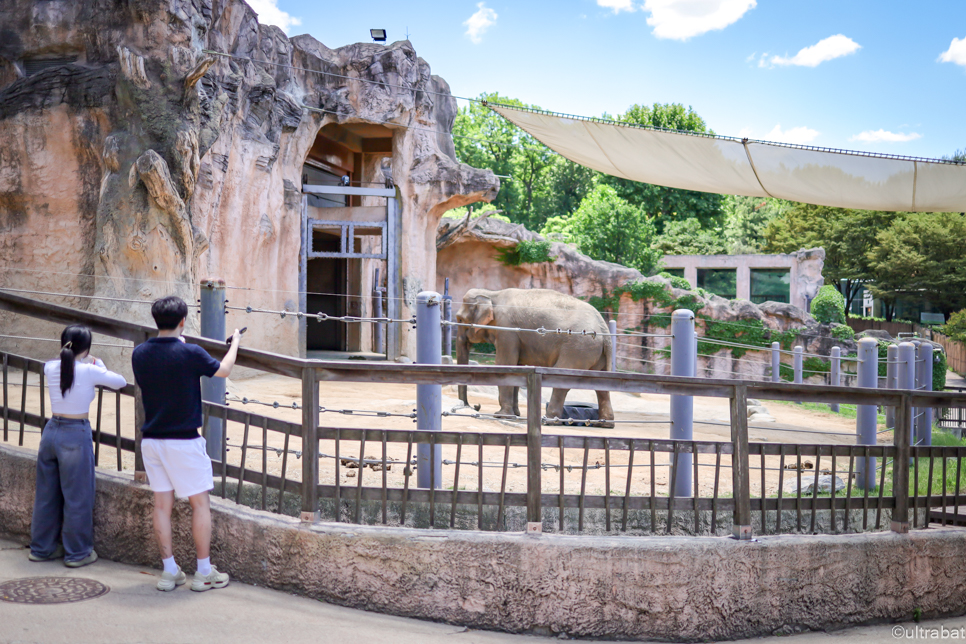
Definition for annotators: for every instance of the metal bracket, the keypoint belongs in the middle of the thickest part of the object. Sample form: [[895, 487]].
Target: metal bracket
[[742, 532], [534, 528]]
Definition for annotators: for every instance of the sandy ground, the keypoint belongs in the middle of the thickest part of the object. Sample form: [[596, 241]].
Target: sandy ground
[[638, 416]]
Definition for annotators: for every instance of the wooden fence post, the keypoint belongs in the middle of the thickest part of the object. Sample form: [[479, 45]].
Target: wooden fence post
[[900, 466], [140, 476], [310, 445], [739, 466], [534, 451]]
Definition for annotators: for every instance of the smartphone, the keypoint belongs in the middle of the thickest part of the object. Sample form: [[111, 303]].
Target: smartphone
[[242, 330]]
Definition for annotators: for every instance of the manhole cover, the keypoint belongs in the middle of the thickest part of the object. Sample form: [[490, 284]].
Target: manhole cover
[[51, 590]]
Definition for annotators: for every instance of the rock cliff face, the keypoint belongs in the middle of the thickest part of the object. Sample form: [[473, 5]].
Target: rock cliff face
[[469, 257], [134, 164]]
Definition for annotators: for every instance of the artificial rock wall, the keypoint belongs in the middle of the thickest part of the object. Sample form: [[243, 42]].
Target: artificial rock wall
[[469, 257], [138, 164]]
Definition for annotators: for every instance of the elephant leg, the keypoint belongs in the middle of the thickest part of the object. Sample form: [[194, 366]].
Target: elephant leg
[[604, 409], [507, 400], [557, 399], [516, 401]]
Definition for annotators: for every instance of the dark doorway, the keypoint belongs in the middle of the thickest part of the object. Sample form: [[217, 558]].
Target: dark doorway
[[326, 285]]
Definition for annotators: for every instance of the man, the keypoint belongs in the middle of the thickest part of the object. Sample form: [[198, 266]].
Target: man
[[175, 457]]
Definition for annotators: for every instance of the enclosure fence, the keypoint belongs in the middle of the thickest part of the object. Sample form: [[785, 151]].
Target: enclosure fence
[[570, 483]]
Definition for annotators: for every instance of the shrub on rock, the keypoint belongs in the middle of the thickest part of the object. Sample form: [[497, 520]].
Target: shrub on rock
[[829, 306]]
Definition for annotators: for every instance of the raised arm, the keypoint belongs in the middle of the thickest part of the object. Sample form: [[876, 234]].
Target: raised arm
[[228, 362], [102, 376]]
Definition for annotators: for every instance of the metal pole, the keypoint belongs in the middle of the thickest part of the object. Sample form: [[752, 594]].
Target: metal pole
[[865, 418], [836, 375], [682, 407], [378, 330], [924, 420], [776, 361], [429, 398], [612, 327], [448, 316], [892, 372], [797, 364], [213, 326], [906, 379]]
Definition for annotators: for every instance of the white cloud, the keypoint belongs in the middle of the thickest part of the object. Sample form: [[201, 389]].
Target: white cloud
[[745, 132], [616, 5], [682, 19], [870, 136], [956, 52], [269, 14], [827, 49], [795, 135], [479, 22]]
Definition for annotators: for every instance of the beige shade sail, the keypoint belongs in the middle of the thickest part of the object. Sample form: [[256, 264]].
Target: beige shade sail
[[724, 165]]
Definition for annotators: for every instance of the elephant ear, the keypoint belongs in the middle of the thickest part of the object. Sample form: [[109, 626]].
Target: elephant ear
[[484, 310]]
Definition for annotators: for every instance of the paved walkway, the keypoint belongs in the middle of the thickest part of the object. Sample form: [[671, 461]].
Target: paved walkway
[[133, 611]]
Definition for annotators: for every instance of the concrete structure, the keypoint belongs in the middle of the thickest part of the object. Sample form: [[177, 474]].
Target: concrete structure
[[665, 588], [804, 268]]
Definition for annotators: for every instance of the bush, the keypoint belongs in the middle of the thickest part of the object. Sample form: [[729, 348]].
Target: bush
[[829, 305], [939, 368], [955, 328], [676, 281], [526, 252], [843, 332]]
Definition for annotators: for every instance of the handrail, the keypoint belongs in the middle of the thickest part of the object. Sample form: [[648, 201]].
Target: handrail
[[492, 375]]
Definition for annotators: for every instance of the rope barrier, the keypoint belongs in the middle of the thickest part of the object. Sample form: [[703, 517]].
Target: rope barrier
[[86, 297], [321, 317]]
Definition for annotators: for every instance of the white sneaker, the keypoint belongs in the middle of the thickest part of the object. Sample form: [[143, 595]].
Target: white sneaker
[[169, 582], [215, 579]]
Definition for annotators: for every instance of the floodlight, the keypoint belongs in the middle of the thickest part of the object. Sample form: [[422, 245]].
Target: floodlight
[[378, 35]]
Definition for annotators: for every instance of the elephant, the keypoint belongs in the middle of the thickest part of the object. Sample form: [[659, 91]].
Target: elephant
[[533, 309]]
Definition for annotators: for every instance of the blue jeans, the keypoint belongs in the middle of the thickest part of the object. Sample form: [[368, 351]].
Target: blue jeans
[[64, 501]]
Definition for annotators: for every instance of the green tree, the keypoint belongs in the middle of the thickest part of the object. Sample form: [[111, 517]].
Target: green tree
[[484, 139], [746, 219], [609, 228], [687, 237], [922, 255], [668, 204], [846, 235]]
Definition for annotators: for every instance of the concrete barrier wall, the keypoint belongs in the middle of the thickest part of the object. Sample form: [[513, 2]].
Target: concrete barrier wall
[[670, 588]]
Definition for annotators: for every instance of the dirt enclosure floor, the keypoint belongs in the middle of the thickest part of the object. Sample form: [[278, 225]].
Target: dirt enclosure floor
[[638, 416]]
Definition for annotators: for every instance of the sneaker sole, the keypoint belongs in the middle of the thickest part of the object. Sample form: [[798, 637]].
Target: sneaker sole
[[211, 586], [162, 586]]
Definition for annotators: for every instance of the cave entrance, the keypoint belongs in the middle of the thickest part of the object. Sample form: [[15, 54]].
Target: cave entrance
[[350, 254]]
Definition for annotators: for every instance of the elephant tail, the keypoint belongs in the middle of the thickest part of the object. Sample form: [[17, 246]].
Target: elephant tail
[[608, 354]]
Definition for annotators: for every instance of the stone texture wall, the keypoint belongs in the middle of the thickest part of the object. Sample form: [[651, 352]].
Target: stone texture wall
[[654, 588], [146, 164]]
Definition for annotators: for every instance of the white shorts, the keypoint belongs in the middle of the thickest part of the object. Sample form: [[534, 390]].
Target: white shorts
[[179, 465]]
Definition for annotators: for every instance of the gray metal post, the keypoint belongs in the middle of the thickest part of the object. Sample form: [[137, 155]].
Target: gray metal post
[[797, 365], [448, 316], [906, 379], [776, 361], [924, 372], [682, 407], [612, 327], [213, 327], [892, 372], [379, 328], [836, 374], [429, 398], [865, 419]]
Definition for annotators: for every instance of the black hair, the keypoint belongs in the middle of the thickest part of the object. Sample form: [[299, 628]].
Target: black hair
[[74, 340], [168, 312]]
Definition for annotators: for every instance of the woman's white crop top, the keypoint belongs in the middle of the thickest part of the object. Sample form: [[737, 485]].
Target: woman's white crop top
[[81, 393]]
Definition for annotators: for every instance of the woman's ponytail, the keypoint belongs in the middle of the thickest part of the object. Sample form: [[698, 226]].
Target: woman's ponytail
[[74, 340]]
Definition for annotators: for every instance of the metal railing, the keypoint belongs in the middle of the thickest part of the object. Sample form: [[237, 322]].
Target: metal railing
[[598, 490]]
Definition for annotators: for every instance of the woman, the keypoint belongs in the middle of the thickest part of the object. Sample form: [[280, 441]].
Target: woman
[[63, 521]]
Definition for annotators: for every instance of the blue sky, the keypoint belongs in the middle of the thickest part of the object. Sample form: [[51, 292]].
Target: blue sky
[[882, 76]]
